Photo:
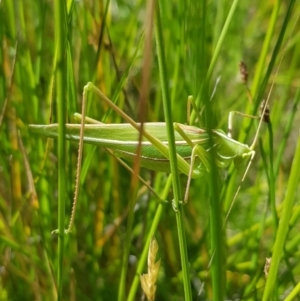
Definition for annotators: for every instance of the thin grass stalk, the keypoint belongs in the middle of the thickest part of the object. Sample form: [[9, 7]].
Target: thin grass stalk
[[221, 40], [263, 54], [173, 161], [217, 52], [60, 46], [248, 122], [294, 293], [136, 167], [154, 225], [179, 52], [126, 247], [215, 213], [284, 224], [272, 181], [8, 8], [270, 175], [29, 68], [287, 131], [215, 210], [217, 237], [258, 92], [136, 281], [290, 76]]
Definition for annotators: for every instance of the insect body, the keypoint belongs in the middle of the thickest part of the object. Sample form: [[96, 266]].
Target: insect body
[[192, 144], [195, 147], [122, 139]]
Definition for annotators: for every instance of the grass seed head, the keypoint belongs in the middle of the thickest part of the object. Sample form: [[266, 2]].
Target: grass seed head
[[148, 281]]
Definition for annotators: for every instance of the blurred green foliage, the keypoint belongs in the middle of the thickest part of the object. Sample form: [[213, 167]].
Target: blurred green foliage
[[102, 48]]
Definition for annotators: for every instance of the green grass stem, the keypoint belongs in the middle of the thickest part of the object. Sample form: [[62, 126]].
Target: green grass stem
[[60, 81], [173, 160]]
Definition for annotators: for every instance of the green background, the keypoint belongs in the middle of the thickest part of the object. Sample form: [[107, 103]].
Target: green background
[[42, 81]]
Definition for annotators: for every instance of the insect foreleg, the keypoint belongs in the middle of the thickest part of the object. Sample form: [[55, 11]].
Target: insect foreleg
[[201, 153], [230, 120]]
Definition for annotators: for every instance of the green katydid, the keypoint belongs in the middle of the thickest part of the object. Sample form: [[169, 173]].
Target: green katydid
[[192, 143]]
